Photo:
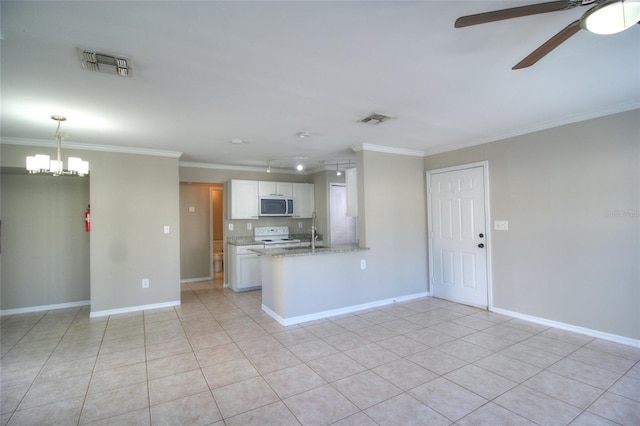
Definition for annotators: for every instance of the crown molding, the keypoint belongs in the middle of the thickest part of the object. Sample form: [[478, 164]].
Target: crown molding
[[388, 150], [241, 168], [87, 147]]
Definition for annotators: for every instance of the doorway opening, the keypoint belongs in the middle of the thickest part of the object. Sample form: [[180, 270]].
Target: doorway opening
[[342, 228], [217, 235]]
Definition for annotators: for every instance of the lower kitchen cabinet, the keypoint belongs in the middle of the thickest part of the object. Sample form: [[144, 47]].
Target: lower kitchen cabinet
[[245, 270]]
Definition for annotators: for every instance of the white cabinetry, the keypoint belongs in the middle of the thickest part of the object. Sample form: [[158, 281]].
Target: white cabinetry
[[244, 199], [303, 200], [275, 188], [246, 273]]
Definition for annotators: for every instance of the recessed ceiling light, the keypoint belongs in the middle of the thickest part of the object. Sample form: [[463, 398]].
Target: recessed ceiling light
[[304, 134], [237, 141]]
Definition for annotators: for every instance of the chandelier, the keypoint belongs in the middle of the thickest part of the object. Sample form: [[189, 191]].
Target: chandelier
[[41, 163]]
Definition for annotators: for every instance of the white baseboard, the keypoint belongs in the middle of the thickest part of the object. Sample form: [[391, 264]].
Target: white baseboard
[[340, 311], [195, 280], [569, 327], [134, 309], [45, 308]]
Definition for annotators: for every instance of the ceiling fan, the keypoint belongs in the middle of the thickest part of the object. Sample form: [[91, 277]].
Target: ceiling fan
[[606, 17]]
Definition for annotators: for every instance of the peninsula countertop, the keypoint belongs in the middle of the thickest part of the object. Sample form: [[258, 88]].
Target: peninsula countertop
[[307, 251]]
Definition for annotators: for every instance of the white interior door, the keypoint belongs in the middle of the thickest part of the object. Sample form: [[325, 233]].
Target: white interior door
[[343, 227], [457, 235]]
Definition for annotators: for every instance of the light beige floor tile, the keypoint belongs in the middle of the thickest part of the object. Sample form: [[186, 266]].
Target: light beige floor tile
[[377, 316], [483, 382], [198, 409], [246, 332], [10, 397], [122, 344], [275, 414], [585, 373], [507, 367], [325, 329], [492, 414], [49, 391], [76, 367], [447, 398], [371, 355], [401, 326], [209, 339], [628, 387], [429, 337], [65, 412], [215, 355], [546, 344], [488, 341], [311, 350], [405, 410], [404, 374], [225, 373], [169, 348], [531, 355], [296, 336], [374, 333], [366, 389], [613, 348], [452, 329], [336, 367], [244, 396], [105, 380], [590, 419], [566, 336], [602, 360], [99, 406], [402, 345], [465, 351], [132, 418], [358, 419], [266, 362], [177, 386], [120, 359], [172, 365], [320, 406], [617, 408], [437, 361], [294, 380], [352, 322], [563, 388], [346, 341], [537, 407], [259, 345]]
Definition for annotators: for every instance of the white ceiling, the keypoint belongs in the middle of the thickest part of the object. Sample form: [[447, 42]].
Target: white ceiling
[[207, 72]]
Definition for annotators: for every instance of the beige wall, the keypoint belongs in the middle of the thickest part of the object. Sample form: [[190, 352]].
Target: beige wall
[[45, 249], [132, 198], [572, 199], [392, 222], [195, 231]]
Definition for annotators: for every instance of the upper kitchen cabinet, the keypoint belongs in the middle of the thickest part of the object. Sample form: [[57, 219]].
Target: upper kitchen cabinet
[[244, 199], [303, 200], [284, 189]]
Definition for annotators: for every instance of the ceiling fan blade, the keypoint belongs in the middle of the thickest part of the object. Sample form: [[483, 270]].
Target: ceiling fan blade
[[549, 45], [514, 12]]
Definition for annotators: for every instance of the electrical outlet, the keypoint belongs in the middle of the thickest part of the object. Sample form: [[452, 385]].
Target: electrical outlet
[[249, 226], [299, 225], [231, 227], [166, 229], [145, 283], [363, 264], [501, 225]]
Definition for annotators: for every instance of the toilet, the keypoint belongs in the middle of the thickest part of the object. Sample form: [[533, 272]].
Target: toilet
[[218, 255]]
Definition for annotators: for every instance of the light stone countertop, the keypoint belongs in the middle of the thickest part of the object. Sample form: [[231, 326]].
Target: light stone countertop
[[306, 251]]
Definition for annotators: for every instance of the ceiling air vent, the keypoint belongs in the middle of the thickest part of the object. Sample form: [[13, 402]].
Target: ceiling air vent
[[102, 62], [376, 118]]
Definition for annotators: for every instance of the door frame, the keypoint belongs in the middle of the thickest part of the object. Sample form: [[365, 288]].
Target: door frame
[[487, 218]]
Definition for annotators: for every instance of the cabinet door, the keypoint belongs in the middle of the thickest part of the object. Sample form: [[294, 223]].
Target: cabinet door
[[303, 200], [244, 199], [275, 188], [249, 271]]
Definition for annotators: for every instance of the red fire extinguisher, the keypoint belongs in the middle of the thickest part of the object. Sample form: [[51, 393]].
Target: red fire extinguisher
[[87, 219]]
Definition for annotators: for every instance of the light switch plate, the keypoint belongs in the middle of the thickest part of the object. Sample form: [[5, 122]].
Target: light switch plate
[[192, 209], [501, 225], [166, 229], [231, 227], [249, 226], [299, 225]]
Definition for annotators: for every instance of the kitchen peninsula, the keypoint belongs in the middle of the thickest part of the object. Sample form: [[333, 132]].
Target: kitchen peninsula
[[301, 284]]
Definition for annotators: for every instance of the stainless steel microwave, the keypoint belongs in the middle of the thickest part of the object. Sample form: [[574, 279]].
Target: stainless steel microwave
[[276, 206]]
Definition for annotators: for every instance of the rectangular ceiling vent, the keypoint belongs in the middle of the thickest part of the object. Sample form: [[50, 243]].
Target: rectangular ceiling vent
[[105, 63], [376, 118]]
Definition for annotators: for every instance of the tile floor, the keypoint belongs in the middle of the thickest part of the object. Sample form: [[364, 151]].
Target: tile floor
[[217, 359]]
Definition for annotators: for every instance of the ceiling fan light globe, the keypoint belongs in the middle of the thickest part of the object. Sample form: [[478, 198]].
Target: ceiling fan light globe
[[611, 17]]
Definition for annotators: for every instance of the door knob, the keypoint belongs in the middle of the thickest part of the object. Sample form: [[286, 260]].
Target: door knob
[[481, 245]]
